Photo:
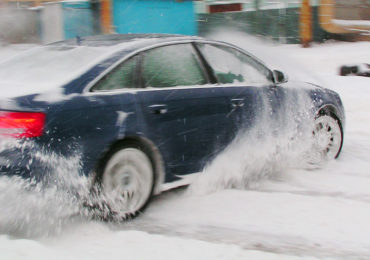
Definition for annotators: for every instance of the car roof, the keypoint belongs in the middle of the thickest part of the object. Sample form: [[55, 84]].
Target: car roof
[[119, 47], [120, 39]]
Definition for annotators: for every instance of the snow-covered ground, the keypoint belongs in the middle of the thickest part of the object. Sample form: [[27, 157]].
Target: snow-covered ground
[[293, 214]]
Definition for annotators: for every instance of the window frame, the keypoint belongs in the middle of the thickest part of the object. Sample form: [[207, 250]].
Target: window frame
[[113, 70], [198, 57], [207, 69], [269, 77]]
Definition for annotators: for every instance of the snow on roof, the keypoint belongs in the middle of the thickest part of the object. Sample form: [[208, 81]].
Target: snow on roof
[[115, 39], [54, 65]]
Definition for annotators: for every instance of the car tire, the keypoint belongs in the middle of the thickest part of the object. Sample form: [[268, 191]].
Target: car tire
[[327, 137], [126, 180], [344, 71]]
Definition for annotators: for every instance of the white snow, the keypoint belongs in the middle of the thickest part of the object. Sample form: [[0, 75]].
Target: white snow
[[24, 71], [9, 51], [294, 214], [38, 69], [94, 240], [365, 23]]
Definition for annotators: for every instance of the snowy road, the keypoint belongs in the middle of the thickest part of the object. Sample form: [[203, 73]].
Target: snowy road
[[293, 214], [321, 212]]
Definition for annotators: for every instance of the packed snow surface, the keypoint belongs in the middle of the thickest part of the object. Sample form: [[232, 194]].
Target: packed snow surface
[[245, 205]]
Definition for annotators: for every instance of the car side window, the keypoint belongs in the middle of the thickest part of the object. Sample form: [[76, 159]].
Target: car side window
[[123, 76], [232, 66], [172, 65]]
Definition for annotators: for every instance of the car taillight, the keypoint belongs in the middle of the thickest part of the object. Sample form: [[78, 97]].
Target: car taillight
[[21, 124]]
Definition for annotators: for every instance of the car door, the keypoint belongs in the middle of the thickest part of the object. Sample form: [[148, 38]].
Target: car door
[[247, 84], [184, 114], [108, 109]]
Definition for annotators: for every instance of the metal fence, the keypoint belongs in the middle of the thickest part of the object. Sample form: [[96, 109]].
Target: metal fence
[[278, 24]]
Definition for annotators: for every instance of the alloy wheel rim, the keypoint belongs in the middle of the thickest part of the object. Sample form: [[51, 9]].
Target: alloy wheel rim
[[128, 179], [327, 136]]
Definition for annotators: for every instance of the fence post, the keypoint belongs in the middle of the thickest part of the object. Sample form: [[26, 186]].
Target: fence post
[[305, 23], [106, 16]]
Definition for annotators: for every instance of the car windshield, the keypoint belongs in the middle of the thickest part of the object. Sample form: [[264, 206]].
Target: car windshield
[[48, 65]]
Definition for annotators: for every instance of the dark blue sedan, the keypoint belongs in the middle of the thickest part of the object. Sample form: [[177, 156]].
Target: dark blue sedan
[[144, 110]]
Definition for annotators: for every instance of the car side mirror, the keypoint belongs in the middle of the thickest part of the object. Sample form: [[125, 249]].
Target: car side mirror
[[279, 76]]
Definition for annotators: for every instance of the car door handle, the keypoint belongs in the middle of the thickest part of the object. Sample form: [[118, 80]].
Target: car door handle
[[158, 109], [237, 102]]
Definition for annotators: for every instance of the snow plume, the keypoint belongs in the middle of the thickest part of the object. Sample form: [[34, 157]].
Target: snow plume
[[56, 196], [278, 141], [30, 207]]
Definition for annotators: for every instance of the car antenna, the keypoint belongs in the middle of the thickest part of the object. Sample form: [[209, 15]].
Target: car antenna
[[78, 40]]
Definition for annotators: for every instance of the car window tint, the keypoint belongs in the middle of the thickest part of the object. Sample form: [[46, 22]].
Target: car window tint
[[174, 65], [122, 76], [232, 66]]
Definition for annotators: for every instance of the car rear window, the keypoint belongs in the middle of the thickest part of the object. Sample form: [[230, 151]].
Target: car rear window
[[121, 77]]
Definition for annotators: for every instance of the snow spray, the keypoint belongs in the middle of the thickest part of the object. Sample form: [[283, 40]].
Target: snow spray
[[278, 141], [43, 206]]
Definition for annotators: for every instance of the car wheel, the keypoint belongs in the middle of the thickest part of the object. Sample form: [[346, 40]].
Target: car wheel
[[327, 137], [127, 179]]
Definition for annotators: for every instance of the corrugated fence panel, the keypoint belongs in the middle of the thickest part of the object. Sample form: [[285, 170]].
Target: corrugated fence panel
[[278, 24], [154, 16]]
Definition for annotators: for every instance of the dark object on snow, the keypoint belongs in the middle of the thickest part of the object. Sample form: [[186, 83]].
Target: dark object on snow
[[356, 70]]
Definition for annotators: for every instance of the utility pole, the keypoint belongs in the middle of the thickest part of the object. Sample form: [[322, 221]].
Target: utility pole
[[106, 16], [305, 24]]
